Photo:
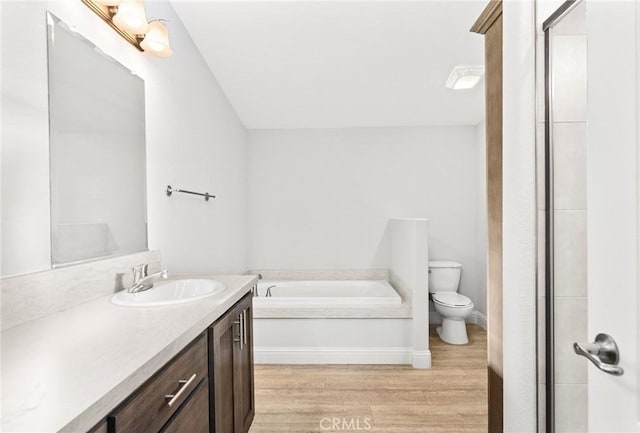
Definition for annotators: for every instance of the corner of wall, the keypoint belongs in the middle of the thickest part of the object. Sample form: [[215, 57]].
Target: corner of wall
[[519, 227], [409, 258]]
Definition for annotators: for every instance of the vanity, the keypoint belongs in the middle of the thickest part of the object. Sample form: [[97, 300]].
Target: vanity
[[101, 367], [208, 386]]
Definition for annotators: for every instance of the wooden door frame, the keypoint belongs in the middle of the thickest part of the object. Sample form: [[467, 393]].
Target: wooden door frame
[[489, 24]]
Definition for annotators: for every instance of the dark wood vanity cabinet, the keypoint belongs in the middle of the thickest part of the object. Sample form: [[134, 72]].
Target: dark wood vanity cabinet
[[206, 388], [231, 369]]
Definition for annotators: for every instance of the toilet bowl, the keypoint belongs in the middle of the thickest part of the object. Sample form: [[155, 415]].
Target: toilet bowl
[[453, 313], [454, 308]]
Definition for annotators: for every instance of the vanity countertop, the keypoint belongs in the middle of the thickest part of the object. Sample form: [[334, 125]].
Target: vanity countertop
[[67, 371]]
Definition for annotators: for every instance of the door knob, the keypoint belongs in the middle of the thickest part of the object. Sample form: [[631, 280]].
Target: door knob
[[603, 353]]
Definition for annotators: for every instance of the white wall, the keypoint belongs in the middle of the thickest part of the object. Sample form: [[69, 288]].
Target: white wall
[[321, 199], [519, 223], [409, 253], [194, 141]]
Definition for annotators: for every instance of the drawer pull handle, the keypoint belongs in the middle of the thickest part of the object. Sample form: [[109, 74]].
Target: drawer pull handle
[[172, 398]]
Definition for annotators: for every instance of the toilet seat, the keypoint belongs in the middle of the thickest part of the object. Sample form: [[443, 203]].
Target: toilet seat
[[451, 299]]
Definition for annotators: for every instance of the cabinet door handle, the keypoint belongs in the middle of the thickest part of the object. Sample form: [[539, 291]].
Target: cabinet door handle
[[172, 398], [244, 326], [240, 322]]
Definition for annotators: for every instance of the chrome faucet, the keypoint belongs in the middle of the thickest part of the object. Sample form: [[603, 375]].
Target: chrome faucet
[[143, 281], [255, 288], [268, 294]]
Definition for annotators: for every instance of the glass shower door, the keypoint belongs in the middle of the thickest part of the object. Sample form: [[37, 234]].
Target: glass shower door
[[591, 219]]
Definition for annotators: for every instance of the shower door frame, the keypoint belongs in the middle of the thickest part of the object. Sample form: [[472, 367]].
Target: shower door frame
[[549, 291]]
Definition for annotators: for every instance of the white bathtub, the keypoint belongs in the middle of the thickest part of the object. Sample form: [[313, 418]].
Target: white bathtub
[[325, 292], [331, 322]]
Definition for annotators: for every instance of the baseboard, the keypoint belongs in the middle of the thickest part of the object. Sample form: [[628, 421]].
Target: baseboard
[[340, 355], [421, 359], [476, 318]]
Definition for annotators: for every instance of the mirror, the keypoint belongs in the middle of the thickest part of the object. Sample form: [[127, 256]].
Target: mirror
[[97, 151], [97, 169]]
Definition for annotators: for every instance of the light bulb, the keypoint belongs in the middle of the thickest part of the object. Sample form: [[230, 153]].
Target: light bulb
[[156, 41], [131, 17], [108, 2]]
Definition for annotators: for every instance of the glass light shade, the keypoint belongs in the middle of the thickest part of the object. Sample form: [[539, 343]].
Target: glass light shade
[[131, 17], [108, 2], [156, 41]]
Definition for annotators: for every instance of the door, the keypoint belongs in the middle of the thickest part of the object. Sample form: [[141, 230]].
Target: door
[[612, 209], [591, 218]]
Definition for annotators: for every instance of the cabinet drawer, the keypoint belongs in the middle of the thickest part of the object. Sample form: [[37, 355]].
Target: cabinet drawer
[[193, 417], [160, 397]]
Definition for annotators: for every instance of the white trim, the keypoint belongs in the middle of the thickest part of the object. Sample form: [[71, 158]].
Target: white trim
[[340, 355], [476, 318], [421, 359]]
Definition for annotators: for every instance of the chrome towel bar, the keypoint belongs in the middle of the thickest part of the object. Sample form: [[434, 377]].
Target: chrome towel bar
[[206, 195]]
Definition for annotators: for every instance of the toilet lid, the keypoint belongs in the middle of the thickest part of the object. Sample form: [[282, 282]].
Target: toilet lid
[[452, 299]]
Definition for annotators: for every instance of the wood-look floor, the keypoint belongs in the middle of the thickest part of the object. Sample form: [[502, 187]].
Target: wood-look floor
[[449, 398]]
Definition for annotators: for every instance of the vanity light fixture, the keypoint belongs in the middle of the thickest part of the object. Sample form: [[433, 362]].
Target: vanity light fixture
[[129, 19], [465, 77]]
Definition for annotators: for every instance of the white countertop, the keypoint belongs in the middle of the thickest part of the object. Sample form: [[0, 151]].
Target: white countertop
[[67, 371]]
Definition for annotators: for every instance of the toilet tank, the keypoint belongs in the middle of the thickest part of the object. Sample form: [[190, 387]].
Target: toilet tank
[[444, 276]]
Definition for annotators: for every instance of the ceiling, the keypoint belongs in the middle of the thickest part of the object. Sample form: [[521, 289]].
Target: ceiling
[[336, 64]]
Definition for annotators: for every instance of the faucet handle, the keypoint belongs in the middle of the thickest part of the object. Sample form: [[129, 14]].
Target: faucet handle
[[139, 272]]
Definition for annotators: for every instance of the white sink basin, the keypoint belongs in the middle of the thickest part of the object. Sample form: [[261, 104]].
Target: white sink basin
[[170, 293]]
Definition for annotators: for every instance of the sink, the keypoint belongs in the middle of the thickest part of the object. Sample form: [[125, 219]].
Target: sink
[[170, 293]]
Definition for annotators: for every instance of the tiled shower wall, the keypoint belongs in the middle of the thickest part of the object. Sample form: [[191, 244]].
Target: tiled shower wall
[[568, 105]]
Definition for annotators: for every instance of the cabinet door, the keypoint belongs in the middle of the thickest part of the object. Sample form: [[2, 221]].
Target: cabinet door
[[243, 370], [221, 359], [231, 370]]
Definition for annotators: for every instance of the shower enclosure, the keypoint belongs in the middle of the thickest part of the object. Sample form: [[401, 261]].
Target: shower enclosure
[[588, 220]]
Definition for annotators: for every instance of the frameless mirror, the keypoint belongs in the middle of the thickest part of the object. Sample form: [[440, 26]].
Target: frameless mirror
[[77, 193], [97, 151]]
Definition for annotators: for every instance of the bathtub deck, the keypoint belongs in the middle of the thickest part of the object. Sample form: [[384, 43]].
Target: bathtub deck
[[449, 398]]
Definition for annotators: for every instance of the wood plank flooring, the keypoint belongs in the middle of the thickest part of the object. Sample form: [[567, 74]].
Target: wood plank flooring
[[449, 398]]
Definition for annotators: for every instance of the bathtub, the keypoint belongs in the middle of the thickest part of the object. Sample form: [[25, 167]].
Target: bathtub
[[331, 322], [357, 293]]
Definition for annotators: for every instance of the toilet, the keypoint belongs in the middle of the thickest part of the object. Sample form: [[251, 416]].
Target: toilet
[[444, 281]]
